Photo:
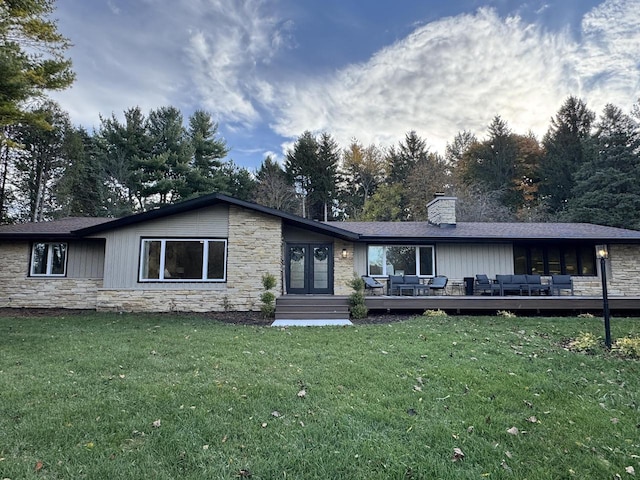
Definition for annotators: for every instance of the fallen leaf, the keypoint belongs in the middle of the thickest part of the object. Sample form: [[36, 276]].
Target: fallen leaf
[[244, 473], [508, 454], [411, 412], [224, 439], [39, 465], [614, 420], [457, 455], [156, 424], [264, 425], [630, 470], [470, 429], [302, 393], [417, 388], [532, 419], [275, 413], [205, 447], [513, 431]]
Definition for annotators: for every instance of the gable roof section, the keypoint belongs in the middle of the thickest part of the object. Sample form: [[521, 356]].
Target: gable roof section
[[488, 232], [214, 199]]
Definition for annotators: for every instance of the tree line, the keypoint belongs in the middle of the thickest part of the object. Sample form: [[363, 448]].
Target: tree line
[[585, 168]]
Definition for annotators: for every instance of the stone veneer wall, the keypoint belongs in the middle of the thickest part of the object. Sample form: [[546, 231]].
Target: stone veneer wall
[[18, 290], [343, 268], [442, 211], [254, 247]]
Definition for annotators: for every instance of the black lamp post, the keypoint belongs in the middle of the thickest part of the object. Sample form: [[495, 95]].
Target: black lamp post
[[603, 254]]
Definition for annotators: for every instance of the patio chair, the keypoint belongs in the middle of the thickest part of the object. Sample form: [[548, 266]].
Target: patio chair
[[392, 285], [438, 283], [484, 285], [372, 284], [561, 282]]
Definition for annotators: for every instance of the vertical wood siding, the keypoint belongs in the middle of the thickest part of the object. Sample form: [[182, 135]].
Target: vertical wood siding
[[85, 259], [457, 261], [122, 255]]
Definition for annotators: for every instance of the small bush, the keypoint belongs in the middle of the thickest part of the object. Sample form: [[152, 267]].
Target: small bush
[[357, 306], [506, 314], [359, 311], [586, 315], [627, 347], [435, 313], [268, 281], [584, 342]]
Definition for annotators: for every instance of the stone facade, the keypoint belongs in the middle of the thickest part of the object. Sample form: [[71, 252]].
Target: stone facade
[[442, 211], [254, 248], [343, 268], [19, 290]]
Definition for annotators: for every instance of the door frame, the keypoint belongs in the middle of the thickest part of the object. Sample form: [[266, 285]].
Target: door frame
[[308, 288]]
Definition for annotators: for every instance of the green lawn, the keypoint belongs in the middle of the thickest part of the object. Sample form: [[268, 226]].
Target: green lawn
[[143, 396]]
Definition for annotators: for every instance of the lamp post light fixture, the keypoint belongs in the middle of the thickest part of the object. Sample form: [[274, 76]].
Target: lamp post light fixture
[[602, 253], [344, 253]]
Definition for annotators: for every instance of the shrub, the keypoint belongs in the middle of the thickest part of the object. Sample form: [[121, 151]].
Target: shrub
[[435, 313], [584, 342], [506, 314], [357, 306], [627, 347], [268, 299]]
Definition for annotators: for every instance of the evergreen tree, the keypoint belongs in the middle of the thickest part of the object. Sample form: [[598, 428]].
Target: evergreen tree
[[324, 179], [80, 191], [41, 161], [606, 188], [565, 151], [299, 166]]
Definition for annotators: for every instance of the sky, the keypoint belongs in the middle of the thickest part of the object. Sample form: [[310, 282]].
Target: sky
[[371, 70]]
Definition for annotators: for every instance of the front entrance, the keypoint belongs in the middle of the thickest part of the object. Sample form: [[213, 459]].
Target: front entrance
[[309, 268]]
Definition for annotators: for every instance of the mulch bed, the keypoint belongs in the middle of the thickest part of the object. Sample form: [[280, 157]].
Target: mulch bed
[[236, 318]]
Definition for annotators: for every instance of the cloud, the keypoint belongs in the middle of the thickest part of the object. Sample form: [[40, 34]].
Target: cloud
[[457, 73], [608, 60], [449, 75], [224, 60]]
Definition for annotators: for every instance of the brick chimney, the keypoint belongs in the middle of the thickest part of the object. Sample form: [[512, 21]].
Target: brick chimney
[[441, 211]]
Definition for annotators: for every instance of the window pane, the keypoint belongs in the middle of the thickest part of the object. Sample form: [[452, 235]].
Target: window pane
[[183, 260], [588, 260], [151, 260], [571, 261], [426, 261], [39, 258], [320, 267], [537, 261], [401, 259], [553, 256], [520, 260], [376, 260], [297, 257], [216, 263]]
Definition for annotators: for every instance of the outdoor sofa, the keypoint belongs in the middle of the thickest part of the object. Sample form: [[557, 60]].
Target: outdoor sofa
[[522, 283], [411, 284]]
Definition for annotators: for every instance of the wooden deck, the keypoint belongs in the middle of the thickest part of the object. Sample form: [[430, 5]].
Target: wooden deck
[[563, 304], [332, 307]]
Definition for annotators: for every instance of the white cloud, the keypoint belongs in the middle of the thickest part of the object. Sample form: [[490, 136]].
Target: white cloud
[[449, 75], [224, 60], [457, 73], [608, 61]]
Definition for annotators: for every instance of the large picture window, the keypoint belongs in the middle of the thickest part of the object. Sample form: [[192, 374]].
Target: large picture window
[[569, 259], [48, 259], [181, 260], [400, 260]]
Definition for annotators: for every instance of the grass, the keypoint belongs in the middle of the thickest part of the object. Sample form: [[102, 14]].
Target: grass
[[143, 396]]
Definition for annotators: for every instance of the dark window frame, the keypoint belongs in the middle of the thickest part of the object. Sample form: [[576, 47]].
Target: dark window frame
[[577, 249]]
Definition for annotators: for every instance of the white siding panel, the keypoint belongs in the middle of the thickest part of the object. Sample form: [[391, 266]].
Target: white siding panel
[[457, 261], [123, 245]]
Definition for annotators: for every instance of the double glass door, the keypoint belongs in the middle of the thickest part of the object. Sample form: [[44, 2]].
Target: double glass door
[[309, 268]]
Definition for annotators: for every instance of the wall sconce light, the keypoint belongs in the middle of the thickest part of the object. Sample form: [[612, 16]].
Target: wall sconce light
[[344, 253], [602, 252]]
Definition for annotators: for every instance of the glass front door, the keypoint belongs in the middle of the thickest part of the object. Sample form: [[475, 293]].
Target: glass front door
[[309, 268]]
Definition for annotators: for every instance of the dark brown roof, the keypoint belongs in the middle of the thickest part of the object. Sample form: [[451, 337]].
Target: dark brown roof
[[479, 231], [56, 229]]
